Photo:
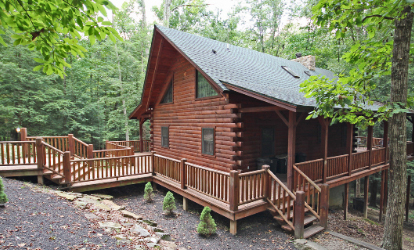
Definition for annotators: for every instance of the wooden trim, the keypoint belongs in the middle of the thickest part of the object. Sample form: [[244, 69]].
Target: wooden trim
[[298, 120], [282, 117], [154, 76], [170, 82], [291, 149], [213, 83], [260, 97], [259, 109], [196, 85]]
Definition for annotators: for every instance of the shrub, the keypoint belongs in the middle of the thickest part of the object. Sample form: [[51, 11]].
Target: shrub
[[207, 225], [148, 195], [169, 203], [3, 196]]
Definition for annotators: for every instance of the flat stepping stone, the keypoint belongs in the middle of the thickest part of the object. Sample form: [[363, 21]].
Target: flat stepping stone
[[104, 196], [67, 196], [112, 205], [164, 236], [110, 224], [131, 215], [91, 217], [140, 231], [152, 240], [151, 223]]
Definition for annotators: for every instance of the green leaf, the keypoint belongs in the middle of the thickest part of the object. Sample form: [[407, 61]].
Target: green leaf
[[37, 68]]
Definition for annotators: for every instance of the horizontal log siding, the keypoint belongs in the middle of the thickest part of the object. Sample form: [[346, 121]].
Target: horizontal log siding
[[185, 118]]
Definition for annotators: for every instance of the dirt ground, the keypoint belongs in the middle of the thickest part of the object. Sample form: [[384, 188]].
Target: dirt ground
[[369, 230]]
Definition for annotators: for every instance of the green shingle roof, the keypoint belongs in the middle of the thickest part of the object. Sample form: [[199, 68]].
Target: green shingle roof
[[245, 68]]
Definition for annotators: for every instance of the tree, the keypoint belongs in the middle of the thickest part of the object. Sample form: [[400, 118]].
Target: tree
[[169, 203], [373, 57], [53, 27], [3, 196], [207, 226], [148, 192]]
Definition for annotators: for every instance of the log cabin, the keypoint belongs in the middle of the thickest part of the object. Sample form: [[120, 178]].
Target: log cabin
[[233, 109]]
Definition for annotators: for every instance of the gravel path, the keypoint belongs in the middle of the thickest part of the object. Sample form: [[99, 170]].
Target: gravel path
[[260, 231], [38, 220]]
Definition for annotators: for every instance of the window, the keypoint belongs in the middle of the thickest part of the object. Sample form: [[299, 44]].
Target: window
[[204, 88], [168, 96], [268, 141], [207, 146], [164, 137], [290, 71]]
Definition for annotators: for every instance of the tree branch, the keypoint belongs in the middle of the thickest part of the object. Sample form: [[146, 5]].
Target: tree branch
[[385, 17]]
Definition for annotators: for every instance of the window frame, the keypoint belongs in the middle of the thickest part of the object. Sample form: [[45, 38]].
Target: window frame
[[168, 137], [170, 84], [203, 152], [196, 87]]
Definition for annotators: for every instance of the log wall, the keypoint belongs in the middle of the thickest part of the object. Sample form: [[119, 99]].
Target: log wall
[[186, 117]]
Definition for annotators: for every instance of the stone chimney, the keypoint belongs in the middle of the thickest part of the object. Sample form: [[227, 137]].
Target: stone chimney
[[307, 61]]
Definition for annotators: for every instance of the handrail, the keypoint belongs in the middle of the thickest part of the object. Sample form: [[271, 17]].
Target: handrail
[[119, 157], [50, 146], [209, 169], [252, 172], [307, 178], [79, 141], [307, 162], [308, 193], [167, 158], [281, 184]]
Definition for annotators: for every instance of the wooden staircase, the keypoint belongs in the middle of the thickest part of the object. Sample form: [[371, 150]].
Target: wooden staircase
[[302, 212]]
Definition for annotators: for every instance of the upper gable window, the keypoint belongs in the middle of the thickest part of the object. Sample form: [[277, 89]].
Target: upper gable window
[[204, 88], [168, 96]]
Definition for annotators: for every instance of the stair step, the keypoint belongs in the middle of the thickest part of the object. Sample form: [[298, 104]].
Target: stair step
[[48, 172], [308, 220], [56, 177], [312, 230], [279, 218]]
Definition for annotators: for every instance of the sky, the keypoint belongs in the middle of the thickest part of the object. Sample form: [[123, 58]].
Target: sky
[[224, 5]]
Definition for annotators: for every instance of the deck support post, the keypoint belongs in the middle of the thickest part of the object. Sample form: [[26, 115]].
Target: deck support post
[[346, 200], [40, 155], [141, 137], [382, 192], [185, 204], [154, 185], [324, 205], [66, 167], [299, 215], [234, 190], [71, 144], [183, 173], [366, 186], [369, 144], [324, 133], [90, 151], [407, 204], [291, 148], [233, 227]]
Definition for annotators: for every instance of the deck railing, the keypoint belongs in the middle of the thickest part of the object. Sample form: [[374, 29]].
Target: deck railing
[[59, 142], [337, 166], [207, 181], [311, 190], [312, 169], [105, 168], [167, 167], [18, 153], [360, 160], [53, 159], [80, 149], [134, 143], [252, 185]]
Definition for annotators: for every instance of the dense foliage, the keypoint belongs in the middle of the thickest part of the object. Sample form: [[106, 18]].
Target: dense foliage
[[148, 192], [3, 196], [168, 204]]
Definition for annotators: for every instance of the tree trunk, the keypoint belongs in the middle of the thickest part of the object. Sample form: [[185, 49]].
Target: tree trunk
[[167, 6], [122, 94], [357, 188], [397, 131]]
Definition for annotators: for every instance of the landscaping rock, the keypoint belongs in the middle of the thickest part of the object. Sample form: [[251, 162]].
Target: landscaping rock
[[151, 223], [66, 196], [140, 231], [91, 217], [156, 229], [152, 245], [164, 236], [168, 245], [303, 244], [104, 196], [131, 215], [112, 205], [152, 239], [110, 224]]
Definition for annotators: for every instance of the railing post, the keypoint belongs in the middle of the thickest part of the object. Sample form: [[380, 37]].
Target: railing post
[[324, 205], [369, 144], [153, 162], [234, 190], [266, 188], [141, 137], [183, 173], [299, 217], [66, 167], [23, 134], [71, 143], [90, 151], [40, 151]]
